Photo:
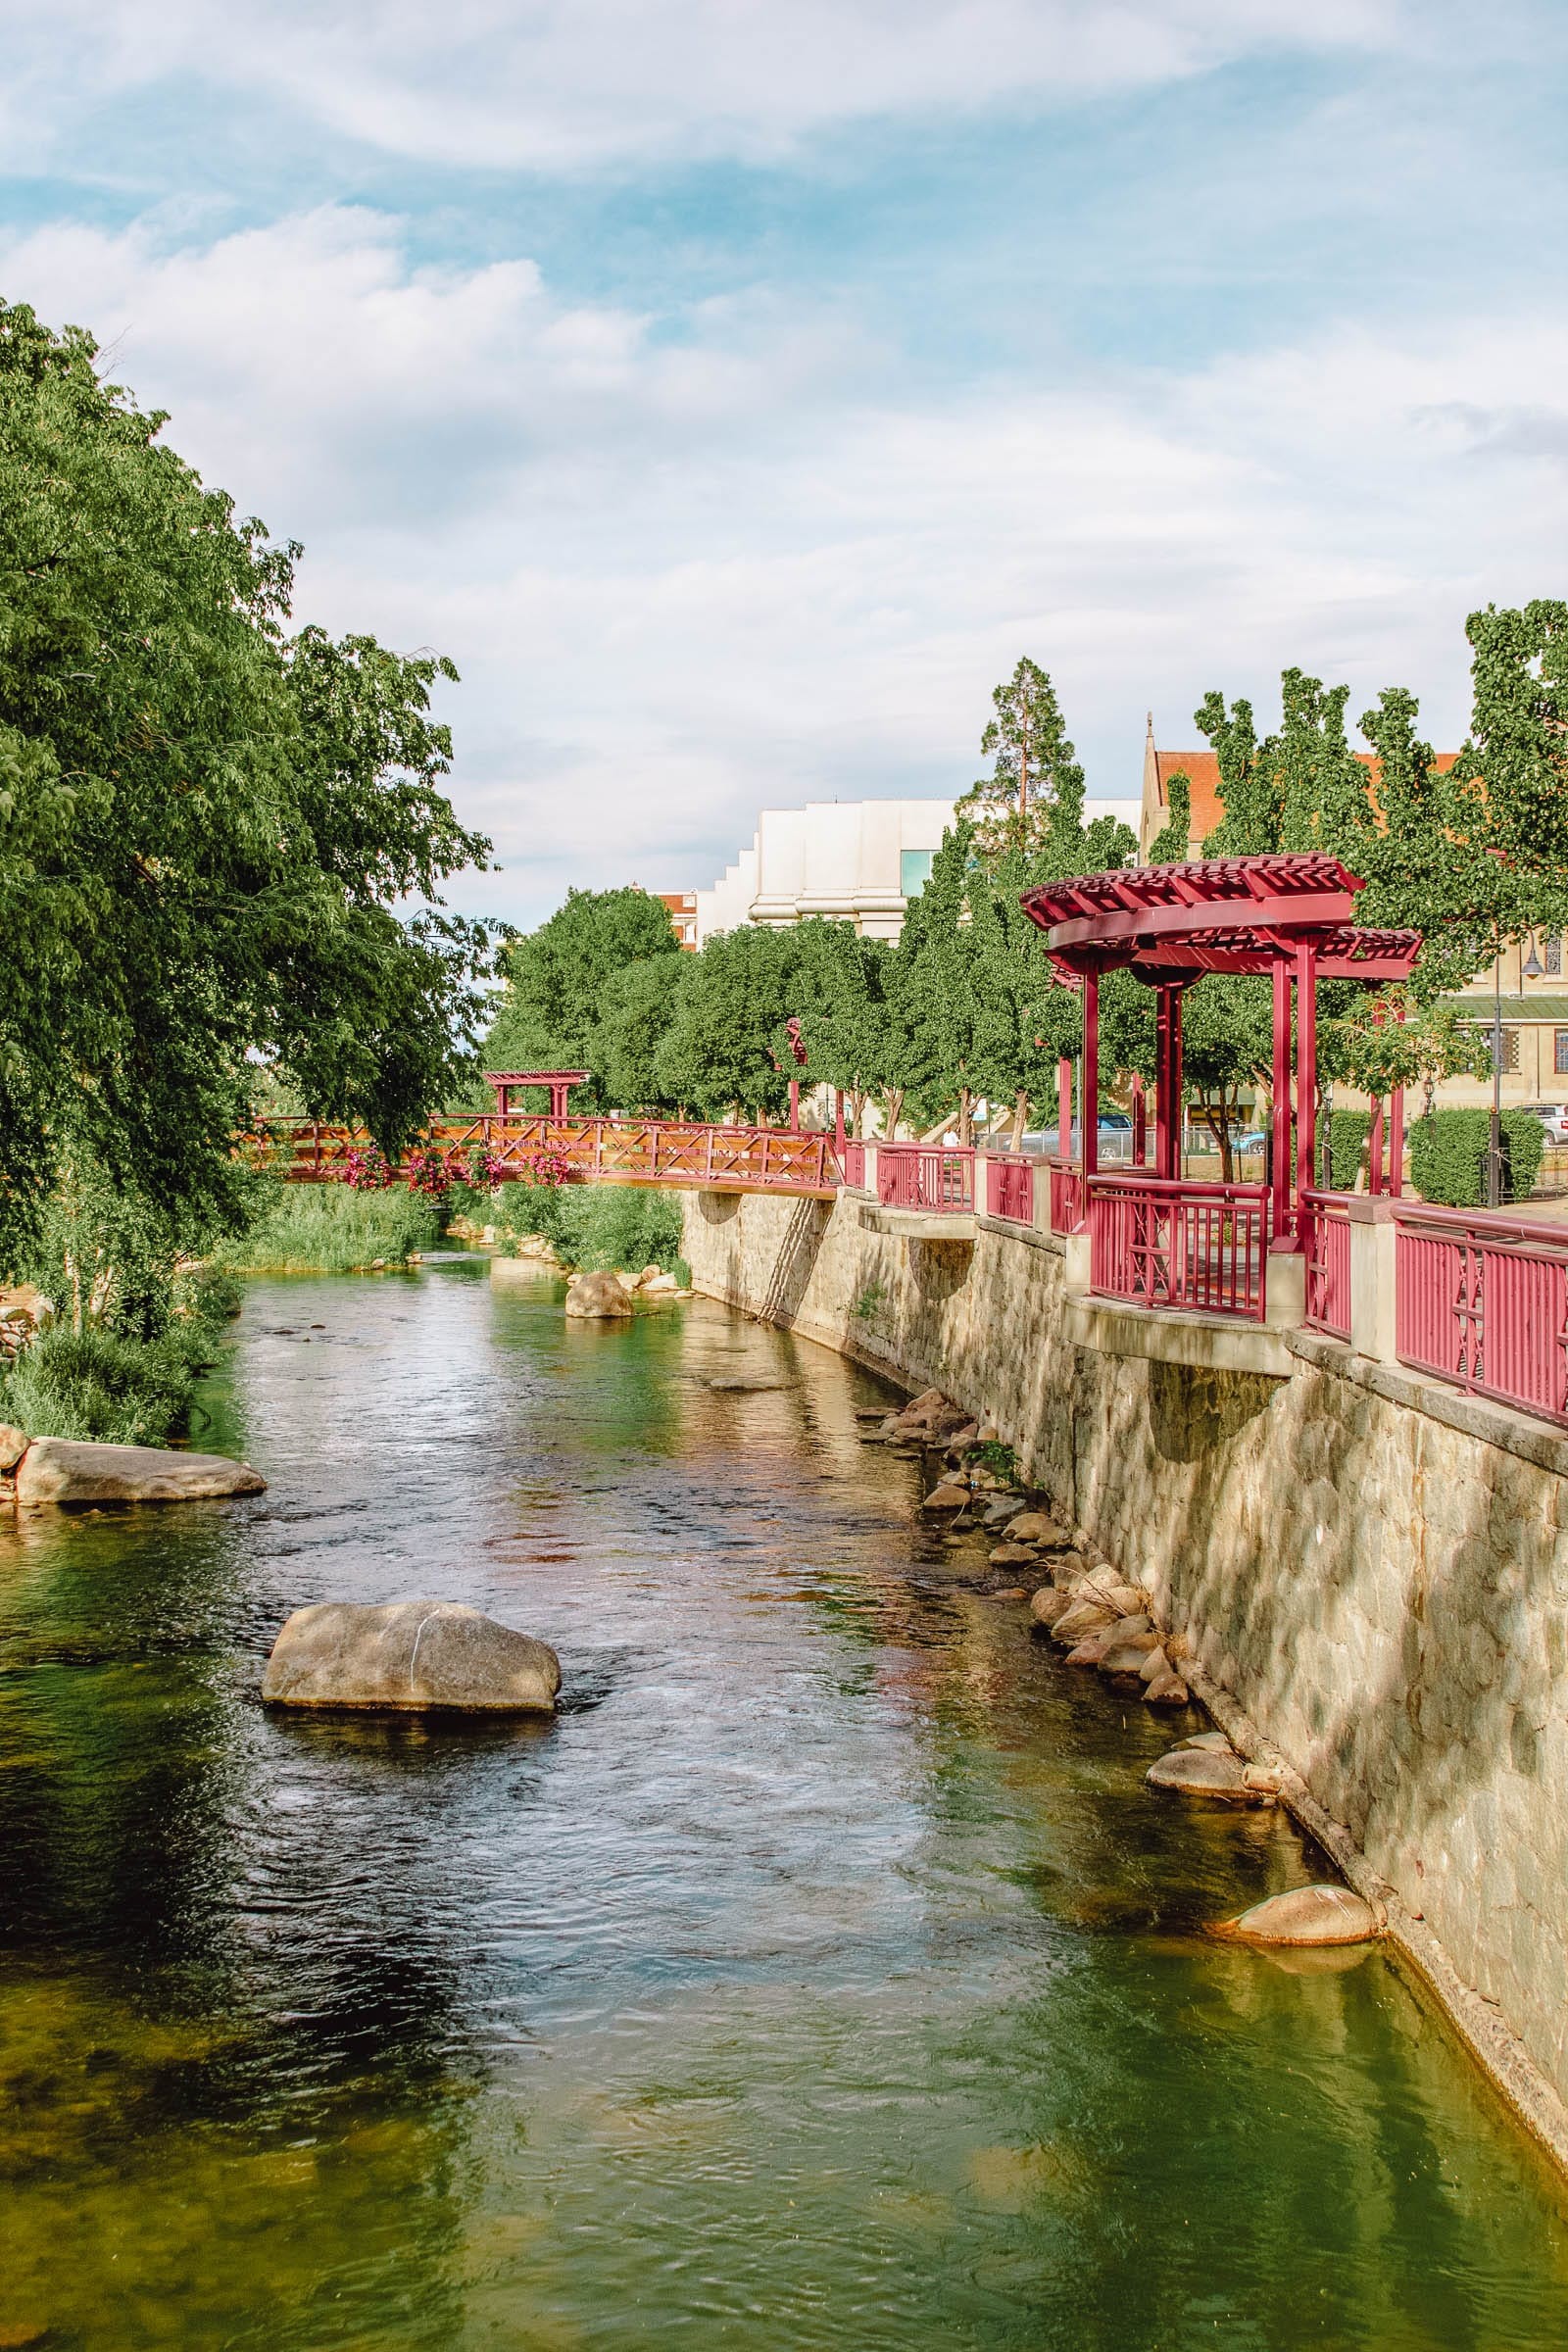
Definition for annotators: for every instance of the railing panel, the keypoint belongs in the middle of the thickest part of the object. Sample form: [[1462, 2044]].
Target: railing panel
[[925, 1176], [1326, 1233], [1186, 1246], [853, 1163], [1483, 1301], [1010, 1187], [1067, 1196]]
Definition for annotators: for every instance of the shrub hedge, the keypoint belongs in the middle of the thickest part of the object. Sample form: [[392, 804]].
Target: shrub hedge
[[1449, 1155]]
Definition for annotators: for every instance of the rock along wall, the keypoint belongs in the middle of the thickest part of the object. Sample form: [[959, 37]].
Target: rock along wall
[[1384, 1590]]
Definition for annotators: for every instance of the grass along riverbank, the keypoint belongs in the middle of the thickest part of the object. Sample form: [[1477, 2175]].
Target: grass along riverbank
[[328, 1229]]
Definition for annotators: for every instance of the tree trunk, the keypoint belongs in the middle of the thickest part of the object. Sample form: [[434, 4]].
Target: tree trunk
[[892, 1113], [1227, 1159], [1020, 1120], [965, 1119]]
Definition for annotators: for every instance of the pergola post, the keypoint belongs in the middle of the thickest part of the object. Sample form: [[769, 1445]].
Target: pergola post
[[1305, 1068], [1168, 1079], [1280, 1136], [838, 1124], [503, 1101], [1140, 1119], [1089, 1107], [1065, 1107]]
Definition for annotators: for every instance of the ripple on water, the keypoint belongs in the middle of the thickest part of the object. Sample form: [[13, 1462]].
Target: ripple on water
[[824, 1976]]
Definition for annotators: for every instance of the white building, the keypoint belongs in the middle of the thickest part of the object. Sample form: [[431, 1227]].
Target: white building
[[854, 861]]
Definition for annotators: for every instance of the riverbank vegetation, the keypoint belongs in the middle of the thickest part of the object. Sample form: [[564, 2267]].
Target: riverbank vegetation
[[600, 1227], [1473, 852], [209, 822], [330, 1229]]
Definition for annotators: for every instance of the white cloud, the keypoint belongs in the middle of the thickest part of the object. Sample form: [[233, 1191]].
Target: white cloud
[[685, 577], [553, 83]]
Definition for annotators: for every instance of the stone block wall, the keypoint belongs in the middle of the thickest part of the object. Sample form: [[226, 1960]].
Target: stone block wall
[[1383, 1588]]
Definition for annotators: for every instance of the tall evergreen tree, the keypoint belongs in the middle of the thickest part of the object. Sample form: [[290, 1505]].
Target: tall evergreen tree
[[1036, 785]]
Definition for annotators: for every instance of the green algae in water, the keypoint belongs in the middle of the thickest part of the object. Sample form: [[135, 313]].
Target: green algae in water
[[825, 1977]]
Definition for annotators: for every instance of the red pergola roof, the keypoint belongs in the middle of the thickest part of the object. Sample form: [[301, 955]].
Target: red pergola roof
[[1215, 915], [535, 1077]]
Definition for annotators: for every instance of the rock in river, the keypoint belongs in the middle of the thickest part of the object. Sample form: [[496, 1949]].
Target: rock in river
[[1307, 1915], [409, 1653], [1084, 1618], [598, 1295], [1201, 1772], [64, 1470]]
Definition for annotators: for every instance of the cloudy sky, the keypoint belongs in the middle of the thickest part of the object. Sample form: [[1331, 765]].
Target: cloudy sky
[[735, 388]]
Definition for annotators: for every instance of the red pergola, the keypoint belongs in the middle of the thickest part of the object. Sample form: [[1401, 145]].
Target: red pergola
[[559, 1083], [1286, 916]]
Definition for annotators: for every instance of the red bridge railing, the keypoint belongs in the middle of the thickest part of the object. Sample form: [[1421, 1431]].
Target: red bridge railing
[[1326, 1234], [1483, 1301], [631, 1150], [1159, 1243], [1067, 1196], [1010, 1187], [924, 1176], [852, 1162]]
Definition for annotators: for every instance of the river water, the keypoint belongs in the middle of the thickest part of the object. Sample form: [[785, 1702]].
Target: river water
[[826, 1976]]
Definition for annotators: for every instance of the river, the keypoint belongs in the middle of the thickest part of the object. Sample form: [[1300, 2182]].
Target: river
[[826, 1976]]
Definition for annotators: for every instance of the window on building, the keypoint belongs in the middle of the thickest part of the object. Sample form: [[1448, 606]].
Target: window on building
[[1559, 1052], [1554, 952], [915, 871]]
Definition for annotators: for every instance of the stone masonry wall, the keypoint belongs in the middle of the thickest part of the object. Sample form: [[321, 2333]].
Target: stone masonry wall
[[1385, 1593]]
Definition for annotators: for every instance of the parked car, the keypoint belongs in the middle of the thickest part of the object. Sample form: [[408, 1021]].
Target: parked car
[[1553, 1116]]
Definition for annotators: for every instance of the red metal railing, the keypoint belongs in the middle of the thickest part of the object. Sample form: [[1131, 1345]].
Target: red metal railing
[[851, 1164], [1157, 1243], [1326, 1234], [924, 1176], [1010, 1187], [1067, 1196], [777, 1159], [1483, 1301]]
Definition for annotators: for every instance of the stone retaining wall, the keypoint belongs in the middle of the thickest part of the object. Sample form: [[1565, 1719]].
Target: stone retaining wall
[[1382, 1588]]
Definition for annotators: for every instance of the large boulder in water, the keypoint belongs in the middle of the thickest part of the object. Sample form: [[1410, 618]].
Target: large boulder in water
[[68, 1470], [409, 1653], [1306, 1916], [598, 1295]]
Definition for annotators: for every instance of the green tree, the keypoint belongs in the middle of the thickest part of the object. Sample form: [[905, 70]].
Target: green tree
[[555, 978], [842, 985], [719, 1052], [204, 823], [1036, 785], [636, 1008], [939, 1010]]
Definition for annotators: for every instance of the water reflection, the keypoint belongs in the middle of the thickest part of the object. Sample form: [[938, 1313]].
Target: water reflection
[[824, 1976]]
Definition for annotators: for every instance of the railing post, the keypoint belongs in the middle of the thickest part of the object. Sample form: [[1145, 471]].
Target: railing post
[[1374, 1262]]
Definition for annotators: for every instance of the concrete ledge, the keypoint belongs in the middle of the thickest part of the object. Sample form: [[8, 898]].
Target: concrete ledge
[[1500, 1425], [1171, 1336], [917, 1224], [1011, 1231]]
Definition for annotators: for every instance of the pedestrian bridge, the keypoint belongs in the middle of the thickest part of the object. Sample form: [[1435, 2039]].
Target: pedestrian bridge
[[512, 1145]]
